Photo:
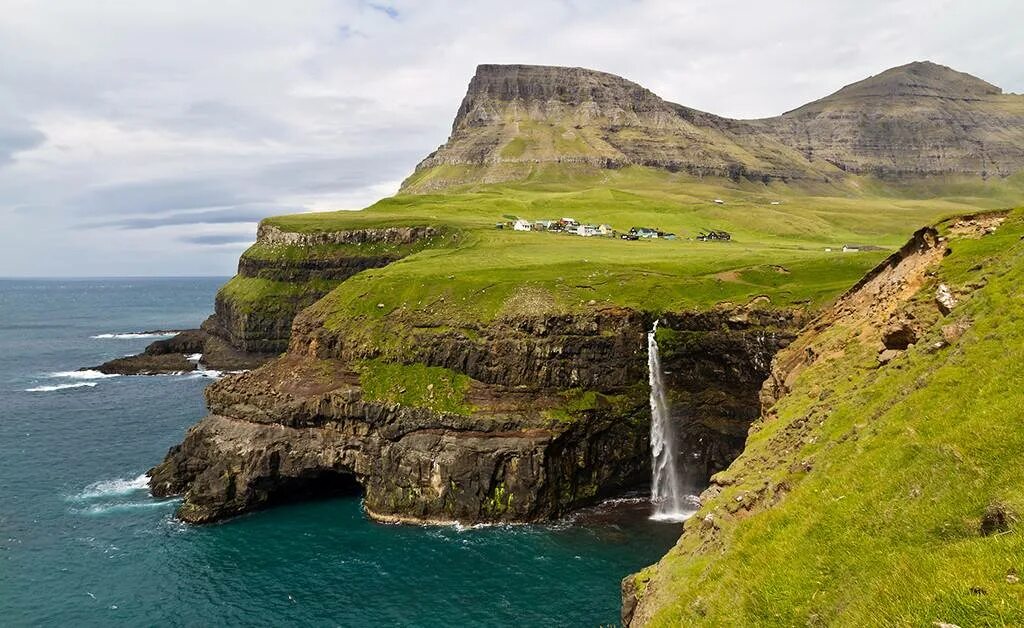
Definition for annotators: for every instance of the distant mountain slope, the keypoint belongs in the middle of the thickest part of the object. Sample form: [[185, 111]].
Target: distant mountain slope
[[918, 119]]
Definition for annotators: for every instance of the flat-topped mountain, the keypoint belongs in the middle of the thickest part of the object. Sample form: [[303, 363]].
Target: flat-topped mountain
[[914, 120]]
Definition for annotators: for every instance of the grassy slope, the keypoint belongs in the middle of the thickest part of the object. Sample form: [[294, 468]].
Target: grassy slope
[[884, 530], [475, 272]]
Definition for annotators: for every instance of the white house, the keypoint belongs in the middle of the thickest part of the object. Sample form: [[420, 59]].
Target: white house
[[719, 201], [850, 249], [522, 225], [776, 202], [605, 230], [586, 230]]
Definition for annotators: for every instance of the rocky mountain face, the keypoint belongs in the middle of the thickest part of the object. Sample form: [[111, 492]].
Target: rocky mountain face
[[915, 120]]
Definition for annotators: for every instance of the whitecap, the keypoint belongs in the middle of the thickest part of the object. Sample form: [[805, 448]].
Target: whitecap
[[108, 508], [201, 372], [60, 387], [134, 334], [83, 374], [109, 488]]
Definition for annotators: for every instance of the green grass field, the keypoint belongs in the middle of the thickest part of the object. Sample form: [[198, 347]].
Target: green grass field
[[884, 488], [474, 272]]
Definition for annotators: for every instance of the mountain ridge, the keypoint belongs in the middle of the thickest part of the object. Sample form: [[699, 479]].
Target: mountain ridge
[[918, 119]]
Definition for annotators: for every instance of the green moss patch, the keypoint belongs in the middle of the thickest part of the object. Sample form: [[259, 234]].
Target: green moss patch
[[415, 385]]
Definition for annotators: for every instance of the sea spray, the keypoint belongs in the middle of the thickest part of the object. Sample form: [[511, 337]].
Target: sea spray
[[671, 501]]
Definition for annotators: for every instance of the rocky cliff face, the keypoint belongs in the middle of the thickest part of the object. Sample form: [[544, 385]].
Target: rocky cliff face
[[555, 415], [517, 115], [915, 120], [303, 266]]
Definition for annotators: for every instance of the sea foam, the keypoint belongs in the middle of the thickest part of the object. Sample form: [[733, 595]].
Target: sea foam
[[111, 488], [83, 374], [134, 334], [60, 387]]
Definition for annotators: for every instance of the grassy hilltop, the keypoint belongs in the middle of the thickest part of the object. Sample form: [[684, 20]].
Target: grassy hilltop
[[471, 272]]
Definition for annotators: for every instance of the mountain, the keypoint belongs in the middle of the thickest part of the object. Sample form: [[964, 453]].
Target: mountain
[[919, 118], [914, 120]]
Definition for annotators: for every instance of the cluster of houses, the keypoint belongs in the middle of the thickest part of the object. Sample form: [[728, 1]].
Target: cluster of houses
[[573, 227], [565, 225]]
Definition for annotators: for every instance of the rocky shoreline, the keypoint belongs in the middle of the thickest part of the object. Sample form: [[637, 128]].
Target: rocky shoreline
[[172, 355]]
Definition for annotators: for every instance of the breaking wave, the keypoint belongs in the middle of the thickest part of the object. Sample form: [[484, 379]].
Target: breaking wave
[[83, 374], [60, 387], [134, 334], [117, 495], [209, 373], [103, 509], [111, 488]]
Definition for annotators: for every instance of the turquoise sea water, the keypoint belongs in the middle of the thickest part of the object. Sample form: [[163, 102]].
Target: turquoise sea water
[[83, 544]]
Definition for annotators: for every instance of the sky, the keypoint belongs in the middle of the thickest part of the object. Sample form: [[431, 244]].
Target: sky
[[149, 138]]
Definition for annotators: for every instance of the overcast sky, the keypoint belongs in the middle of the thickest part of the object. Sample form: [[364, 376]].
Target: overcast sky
[[147, 138]]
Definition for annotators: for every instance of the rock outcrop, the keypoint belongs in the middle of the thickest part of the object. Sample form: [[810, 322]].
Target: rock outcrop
[[186, 351], [298, 268], [916, 120]]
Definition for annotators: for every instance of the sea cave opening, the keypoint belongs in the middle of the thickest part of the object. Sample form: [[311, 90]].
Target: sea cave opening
[[313, 485]]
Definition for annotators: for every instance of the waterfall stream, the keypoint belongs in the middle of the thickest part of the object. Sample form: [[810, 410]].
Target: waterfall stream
[[669, 494]]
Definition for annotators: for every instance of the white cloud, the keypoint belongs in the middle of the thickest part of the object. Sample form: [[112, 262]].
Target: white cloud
[[119, 111]]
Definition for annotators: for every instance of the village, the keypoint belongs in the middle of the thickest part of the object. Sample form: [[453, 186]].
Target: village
[[570, 226]]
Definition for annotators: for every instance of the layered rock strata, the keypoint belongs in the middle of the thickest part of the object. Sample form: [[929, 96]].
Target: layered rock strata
[[555, 416], [916, 120]]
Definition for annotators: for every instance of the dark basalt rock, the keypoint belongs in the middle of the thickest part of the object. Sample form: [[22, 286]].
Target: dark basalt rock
[[169, 356]]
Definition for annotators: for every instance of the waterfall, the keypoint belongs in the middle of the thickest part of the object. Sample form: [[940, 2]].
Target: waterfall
[[668, 494]]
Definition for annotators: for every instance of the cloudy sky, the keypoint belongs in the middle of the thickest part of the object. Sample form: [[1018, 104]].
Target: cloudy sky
[[147, 138]]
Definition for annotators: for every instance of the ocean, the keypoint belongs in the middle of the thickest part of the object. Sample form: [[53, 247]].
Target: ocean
[[82, 543]]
